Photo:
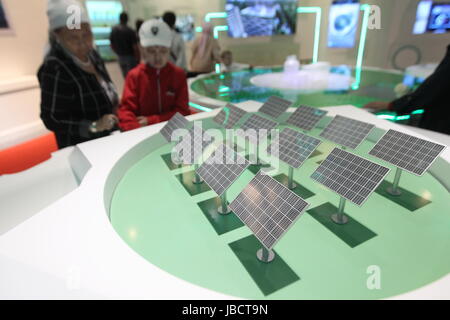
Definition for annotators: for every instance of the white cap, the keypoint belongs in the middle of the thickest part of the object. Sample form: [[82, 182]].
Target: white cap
[[65, 13], [155, 33]]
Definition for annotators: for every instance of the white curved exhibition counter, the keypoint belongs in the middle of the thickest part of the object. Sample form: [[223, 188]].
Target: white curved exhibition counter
[[69, 249]]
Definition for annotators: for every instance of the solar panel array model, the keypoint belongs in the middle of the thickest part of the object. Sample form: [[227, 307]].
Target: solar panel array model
[[347, 132], [406, 152], [350, 176], [306, 118], [293, 148], [221, 170], [269, 209], [275, 106]]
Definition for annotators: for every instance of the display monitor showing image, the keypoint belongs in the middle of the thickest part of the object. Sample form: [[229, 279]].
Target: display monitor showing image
[[432, 17], [439, 20], [343, 25], [185, 26], [248, 18]]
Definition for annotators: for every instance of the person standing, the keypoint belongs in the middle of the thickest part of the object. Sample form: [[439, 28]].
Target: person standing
[[78, 98], [430, 96], [156, 89], [205, 51], [228, 65], [124, 43], [177, 49]]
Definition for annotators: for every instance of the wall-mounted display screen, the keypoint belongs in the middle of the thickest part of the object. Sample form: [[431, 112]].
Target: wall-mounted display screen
[[343, 23], [439, 21], [247, 18], [432, 17]]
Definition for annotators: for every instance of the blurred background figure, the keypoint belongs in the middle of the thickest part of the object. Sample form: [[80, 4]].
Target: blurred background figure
[[205, 51], [138, 25], [177, 49], [124, 43], [78, 98], [228, 65], [431, 96]]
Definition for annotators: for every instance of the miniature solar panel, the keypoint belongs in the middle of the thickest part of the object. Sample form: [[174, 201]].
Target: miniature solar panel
[[178, 121], [306, 117], [192, 145], [407, 152], [275, 106], [347, 132], [222, 168], [229, 116], [293, 147], [251, 128], [350, 176], [268, 208]]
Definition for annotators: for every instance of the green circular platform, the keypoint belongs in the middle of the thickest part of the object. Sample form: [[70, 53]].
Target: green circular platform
[[407, 244], [236, 87]]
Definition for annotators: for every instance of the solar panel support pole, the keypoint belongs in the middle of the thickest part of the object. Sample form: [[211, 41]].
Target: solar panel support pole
[[394, 190], [197, 179], [291, 184], [257, 153], [265, 255], [223, 209], [340, 217]]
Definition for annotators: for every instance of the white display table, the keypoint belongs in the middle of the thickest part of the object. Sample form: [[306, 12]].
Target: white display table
[[69, 250]]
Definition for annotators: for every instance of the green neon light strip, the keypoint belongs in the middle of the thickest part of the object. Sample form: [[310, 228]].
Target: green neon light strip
[[318, 12], [215, 15], [199, 107], [362, 46], [217, 29]]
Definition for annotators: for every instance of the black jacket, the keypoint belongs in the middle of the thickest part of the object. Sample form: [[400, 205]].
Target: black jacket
[[433, 97], [71, 99]]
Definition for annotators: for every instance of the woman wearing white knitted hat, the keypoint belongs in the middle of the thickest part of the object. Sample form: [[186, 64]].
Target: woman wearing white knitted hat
[[77, 94], [156, 89]]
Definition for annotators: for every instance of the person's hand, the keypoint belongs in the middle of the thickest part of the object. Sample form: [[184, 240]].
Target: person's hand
[[377, 105], [107, 122], [143, 121]]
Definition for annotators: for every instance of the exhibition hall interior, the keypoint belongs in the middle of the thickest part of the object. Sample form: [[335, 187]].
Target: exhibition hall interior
[[225, 149]]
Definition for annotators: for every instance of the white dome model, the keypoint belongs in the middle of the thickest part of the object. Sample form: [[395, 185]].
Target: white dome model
[[291, 64]]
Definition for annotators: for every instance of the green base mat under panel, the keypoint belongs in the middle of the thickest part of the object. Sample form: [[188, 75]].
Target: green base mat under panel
[[221, 223], [168, 160], [353, 233], [269, 277], [299, 190], [407, 199], [187, 178]]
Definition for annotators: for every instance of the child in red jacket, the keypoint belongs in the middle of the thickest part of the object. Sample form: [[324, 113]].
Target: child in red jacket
[[157, 89]]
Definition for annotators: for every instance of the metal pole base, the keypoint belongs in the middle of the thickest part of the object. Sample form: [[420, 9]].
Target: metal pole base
[[292, 186], [197, 180], [339, 219], [269, 258], [222, 212], [393, 192]]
